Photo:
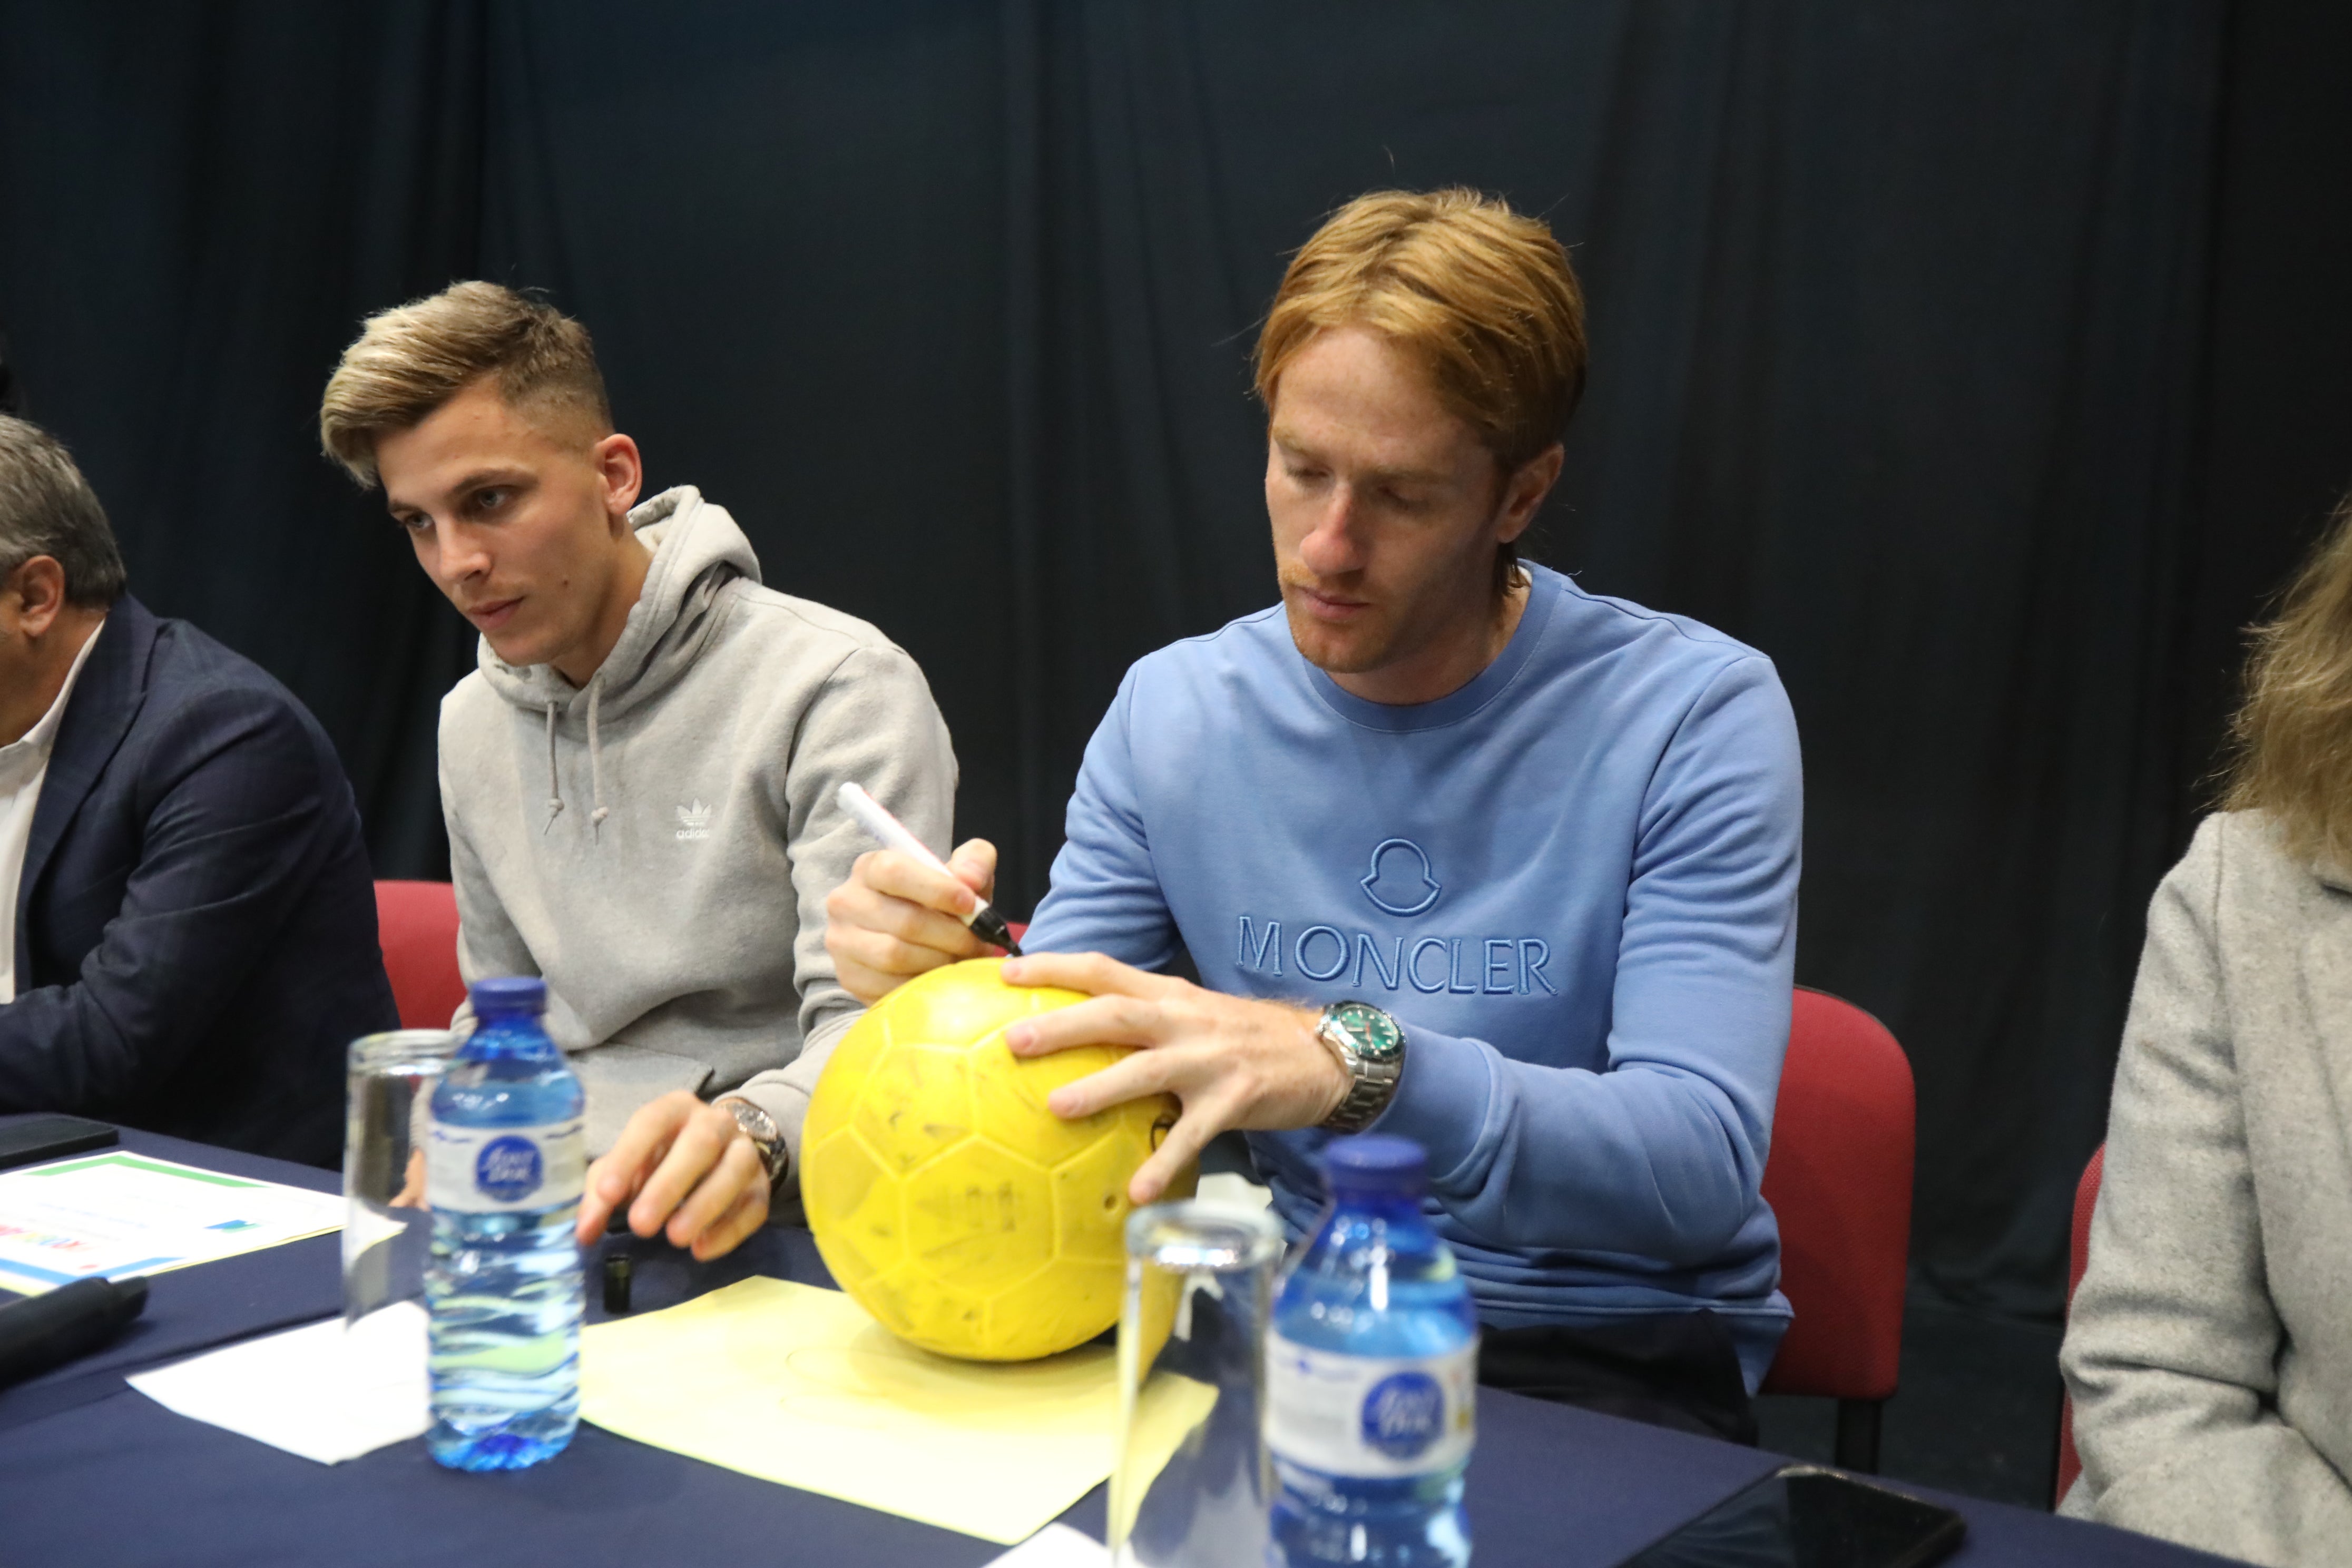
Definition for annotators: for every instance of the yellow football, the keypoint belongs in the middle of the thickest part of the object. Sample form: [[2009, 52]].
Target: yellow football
[[946, 1198]]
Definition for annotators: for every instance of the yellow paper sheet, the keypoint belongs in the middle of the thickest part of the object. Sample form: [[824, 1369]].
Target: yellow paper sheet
[[800, 1385], [1171, 1409]]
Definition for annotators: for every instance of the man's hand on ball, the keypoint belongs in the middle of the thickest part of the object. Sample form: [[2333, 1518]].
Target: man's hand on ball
[[686, 1169], [897, 917], [1231, 1061]]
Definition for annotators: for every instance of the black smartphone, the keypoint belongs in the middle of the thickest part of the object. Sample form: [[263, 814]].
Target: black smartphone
[[1803, 1517], [39, 1138]]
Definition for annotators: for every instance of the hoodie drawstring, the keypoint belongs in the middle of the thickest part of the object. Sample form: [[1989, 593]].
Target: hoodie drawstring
[[595, 761], [554, 790], [595, 765]]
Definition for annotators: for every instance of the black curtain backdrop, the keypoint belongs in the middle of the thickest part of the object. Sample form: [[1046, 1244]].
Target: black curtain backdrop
[[1982, 363]]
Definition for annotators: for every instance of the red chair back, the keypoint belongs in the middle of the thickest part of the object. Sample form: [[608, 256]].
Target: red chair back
[[1839, 1181], [2078, 1258], [416, 926]]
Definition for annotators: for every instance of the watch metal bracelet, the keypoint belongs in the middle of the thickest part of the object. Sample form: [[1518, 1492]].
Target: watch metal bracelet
[[1370, 1044]]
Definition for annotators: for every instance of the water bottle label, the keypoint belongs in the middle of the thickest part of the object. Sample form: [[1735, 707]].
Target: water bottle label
[[1369, 1418], [505, 1170]]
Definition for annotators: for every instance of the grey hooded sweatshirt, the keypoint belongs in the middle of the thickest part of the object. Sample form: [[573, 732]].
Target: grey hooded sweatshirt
[[659, 843]]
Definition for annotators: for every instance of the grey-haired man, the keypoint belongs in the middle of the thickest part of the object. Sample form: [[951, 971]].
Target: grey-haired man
[[187, 919]]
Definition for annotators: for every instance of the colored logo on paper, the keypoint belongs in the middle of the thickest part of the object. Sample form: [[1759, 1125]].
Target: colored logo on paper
[[1399, 880], [507, 1169], [1403, 1415]]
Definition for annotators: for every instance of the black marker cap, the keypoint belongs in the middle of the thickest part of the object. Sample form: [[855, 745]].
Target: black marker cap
[[990, 927]]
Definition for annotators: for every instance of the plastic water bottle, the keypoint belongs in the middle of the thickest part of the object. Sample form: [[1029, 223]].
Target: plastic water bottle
[[504, 1167], [1371, 1366]]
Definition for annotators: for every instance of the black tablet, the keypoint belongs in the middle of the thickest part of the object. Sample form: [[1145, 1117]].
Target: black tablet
[[1803, 1517], [39, 1138]]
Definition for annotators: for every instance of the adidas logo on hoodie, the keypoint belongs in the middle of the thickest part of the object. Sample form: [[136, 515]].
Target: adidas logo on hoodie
[[694, 821]]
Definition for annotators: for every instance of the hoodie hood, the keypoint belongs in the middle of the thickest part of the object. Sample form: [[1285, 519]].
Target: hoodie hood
[[696, 551]]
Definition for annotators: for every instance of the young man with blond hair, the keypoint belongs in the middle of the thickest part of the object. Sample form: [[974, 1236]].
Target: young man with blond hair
[[639, 777], [1460, 851]]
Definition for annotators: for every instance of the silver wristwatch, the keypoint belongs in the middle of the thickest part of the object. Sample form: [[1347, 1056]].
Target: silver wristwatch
[[762, 1129], [1370, 1046]]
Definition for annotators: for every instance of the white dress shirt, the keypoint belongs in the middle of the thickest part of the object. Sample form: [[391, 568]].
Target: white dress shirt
[[23, 765]]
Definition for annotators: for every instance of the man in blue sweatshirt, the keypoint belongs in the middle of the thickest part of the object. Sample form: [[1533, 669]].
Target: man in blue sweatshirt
[[1460, 851]]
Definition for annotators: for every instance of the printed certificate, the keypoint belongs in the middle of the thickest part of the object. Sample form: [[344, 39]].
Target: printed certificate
[[119, 1214]]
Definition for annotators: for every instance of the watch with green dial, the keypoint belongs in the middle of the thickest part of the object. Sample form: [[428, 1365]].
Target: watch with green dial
[[1370, 1046]]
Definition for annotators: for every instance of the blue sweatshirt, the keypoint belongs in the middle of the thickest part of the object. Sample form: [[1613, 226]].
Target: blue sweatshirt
[[1573, 882]]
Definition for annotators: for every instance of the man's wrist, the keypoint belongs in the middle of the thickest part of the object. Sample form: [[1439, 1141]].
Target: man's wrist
[[1310, 1021], [761, 1129]]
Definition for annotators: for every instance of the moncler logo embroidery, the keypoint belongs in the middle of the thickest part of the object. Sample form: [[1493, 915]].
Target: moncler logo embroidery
[[1401, 881], [694, 821]]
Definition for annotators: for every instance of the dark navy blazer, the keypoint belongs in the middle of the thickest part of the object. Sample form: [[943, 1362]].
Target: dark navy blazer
[[196, 925]]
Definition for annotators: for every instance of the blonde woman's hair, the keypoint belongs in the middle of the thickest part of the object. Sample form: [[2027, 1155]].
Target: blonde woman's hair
[[2292, 740], [1482, 299], [409, 361]]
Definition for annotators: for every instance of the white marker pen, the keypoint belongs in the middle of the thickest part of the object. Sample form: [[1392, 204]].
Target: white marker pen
[[984, 921]]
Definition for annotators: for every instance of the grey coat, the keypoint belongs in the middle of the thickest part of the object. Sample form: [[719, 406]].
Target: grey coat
[[2210, 1349]]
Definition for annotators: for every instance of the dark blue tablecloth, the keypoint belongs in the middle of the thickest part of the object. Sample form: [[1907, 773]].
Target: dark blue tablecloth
[[91, 1472]]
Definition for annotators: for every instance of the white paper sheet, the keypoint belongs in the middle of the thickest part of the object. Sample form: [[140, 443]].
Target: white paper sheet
[[320, 1390], [1056, 1546], [119, 1214]]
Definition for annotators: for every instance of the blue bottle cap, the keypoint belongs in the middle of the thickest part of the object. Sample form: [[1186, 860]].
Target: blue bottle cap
[[1375, 1162], [510, 993]]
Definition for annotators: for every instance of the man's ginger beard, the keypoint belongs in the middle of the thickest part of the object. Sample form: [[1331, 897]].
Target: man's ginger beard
[[1397, 639]]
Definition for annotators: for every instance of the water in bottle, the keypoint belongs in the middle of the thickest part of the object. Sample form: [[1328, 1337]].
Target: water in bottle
[[1372, 1364], [504, 1169]]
